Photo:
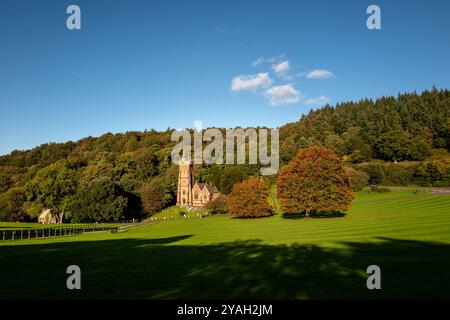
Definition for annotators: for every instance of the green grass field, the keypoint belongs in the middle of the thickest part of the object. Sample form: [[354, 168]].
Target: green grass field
[[406, 233]]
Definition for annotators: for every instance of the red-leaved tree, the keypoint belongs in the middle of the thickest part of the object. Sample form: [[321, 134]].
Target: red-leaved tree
[[248, 199], [315, 181]]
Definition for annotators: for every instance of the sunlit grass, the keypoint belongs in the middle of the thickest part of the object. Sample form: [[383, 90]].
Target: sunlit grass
[[406, 232]]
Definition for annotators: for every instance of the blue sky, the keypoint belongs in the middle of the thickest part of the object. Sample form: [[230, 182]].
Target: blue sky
[[139, 65]]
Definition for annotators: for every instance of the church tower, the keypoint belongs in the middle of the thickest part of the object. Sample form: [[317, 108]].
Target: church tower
[[185, 183]]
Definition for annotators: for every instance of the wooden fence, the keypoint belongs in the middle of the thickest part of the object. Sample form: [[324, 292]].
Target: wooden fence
[[57, 231]]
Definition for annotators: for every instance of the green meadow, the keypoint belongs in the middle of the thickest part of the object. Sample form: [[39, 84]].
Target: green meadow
[[405, 232]]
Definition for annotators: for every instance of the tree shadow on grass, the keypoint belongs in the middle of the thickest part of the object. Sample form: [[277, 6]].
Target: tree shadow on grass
[[161, 269]]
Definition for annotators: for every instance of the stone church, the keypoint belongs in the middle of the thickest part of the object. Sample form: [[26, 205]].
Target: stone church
[[190, 194]]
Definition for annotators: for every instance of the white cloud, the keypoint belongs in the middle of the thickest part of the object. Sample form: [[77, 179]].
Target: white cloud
[[281, 68], [319, 74], [262, 60], [258, 61], [281, 95], [275, 94], [317, 101], [251, 82]]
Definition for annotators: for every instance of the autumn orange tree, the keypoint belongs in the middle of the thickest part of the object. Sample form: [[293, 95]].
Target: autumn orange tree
[[314, 182], [248, 199]]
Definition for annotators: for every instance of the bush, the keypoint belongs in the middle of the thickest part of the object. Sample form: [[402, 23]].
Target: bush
[[397, 174], [376, 189], [433, 173], [218, 205], [314, 181], [358, 179], [248, 199], [374, 170]]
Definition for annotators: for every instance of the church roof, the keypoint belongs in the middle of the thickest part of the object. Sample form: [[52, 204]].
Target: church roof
[[211, 188]]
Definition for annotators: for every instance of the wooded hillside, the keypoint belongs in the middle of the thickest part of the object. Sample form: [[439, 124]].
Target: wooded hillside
[[108, 177]]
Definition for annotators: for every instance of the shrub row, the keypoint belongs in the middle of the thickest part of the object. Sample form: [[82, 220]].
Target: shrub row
[[433, 173]]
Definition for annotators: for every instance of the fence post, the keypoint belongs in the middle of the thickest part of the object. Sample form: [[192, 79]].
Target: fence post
[[29, 234], [13, 233], [3, 232], [21, 234]]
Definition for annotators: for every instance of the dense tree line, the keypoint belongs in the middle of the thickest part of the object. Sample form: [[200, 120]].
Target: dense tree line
[[129, 175], [400, 128]]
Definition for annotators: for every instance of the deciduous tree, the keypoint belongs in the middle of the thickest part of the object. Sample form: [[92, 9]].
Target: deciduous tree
[[314, 182], [249, 199]]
